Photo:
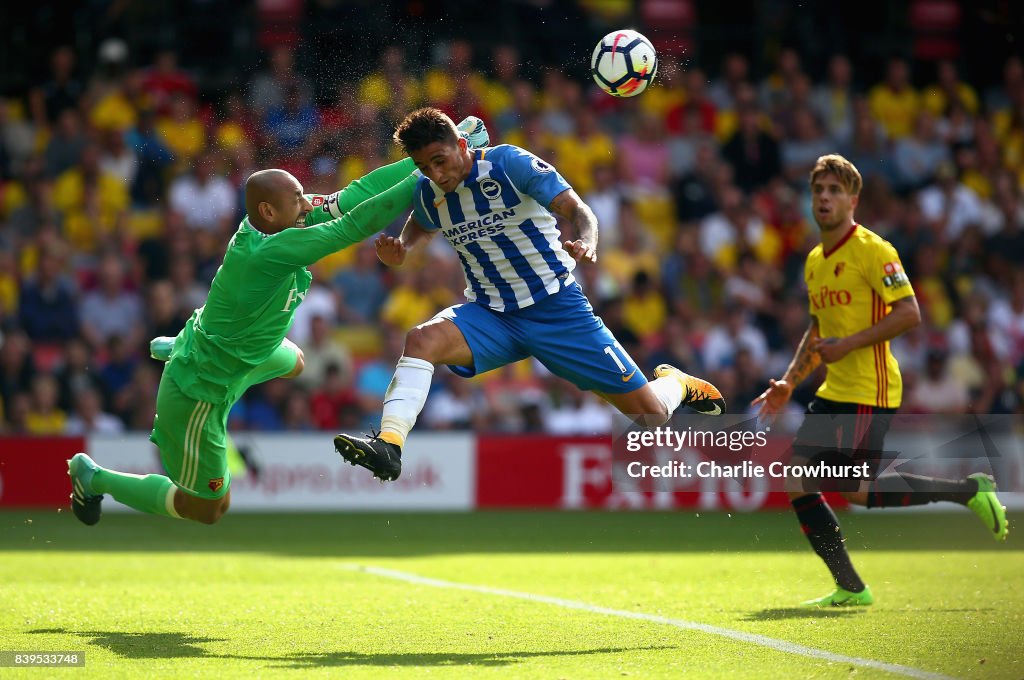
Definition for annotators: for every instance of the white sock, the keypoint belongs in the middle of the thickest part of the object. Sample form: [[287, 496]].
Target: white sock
[[405, 396], [669, 391]]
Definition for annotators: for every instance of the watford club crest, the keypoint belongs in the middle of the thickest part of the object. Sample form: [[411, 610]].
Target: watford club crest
[[839, 269], [216, 484]]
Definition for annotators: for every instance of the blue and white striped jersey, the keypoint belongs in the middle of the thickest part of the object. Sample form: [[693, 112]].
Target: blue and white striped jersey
[[497, 221]]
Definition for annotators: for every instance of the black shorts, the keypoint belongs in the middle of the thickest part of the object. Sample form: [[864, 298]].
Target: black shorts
[[840, 433]]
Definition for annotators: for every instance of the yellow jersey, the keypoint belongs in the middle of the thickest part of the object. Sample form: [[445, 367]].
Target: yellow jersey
[[896, 111], [851, 288]]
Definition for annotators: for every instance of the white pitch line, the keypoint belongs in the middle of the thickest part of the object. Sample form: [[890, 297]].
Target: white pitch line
[[752, 638]]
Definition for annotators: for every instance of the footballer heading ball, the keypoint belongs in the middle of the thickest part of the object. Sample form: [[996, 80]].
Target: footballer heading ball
[[624, 63]]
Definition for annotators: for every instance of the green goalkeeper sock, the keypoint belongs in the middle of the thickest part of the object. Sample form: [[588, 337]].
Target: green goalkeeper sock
[[373, 183], [153, 494]]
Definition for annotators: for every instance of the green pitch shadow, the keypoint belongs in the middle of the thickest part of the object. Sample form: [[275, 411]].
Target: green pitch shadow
[[140, 645], [783, 613], [413, 659], [182, 645]]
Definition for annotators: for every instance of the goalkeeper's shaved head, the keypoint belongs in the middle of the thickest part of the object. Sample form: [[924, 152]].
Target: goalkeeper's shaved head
[[267, 185], [270, 199]]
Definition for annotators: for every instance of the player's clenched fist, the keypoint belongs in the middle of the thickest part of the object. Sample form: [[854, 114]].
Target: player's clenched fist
[[580, 251], [390, 250]]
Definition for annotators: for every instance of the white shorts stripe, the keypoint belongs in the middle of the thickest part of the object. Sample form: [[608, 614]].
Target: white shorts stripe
[[187, 462], [197, 437], [184, 454]]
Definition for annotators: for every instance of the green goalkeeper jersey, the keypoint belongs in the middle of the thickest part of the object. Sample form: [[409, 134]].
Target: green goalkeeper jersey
[[263, 279]]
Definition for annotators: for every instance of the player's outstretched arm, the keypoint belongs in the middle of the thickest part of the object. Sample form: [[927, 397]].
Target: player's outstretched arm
[[375, 182], [302, 247], [571, 207], [806, 359]]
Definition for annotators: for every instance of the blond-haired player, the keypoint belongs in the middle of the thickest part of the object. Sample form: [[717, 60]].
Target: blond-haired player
[[860, 298]]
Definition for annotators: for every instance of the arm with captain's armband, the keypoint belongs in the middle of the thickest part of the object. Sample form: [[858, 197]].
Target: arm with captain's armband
[[333, 206], [302, 247]]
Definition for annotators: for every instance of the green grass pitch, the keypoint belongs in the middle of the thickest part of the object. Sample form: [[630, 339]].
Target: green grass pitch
[[293, 595]]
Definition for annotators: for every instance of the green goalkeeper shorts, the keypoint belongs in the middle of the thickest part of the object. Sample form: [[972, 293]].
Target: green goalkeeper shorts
[[192, 437]]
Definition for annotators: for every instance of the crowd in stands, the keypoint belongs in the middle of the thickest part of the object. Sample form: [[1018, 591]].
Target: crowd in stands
[[120, 188]]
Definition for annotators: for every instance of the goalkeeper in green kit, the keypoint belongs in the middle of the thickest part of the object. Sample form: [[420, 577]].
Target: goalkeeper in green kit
[[237, 339]]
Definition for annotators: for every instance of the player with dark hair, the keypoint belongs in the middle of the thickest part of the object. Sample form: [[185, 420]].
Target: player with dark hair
[[860, 299], [237, 339], [497, 207]]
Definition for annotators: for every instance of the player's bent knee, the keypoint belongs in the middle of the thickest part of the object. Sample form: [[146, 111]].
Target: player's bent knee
[[202, 510], [424, 342], [207, 518], [211, 515]]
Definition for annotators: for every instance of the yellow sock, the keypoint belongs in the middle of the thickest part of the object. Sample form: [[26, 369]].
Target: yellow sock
[[392, 438]]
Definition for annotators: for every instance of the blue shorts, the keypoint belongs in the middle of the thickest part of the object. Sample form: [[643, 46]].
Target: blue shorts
[[561, 331]]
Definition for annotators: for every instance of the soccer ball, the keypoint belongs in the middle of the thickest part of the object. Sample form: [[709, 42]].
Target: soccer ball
[[624, 63]]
